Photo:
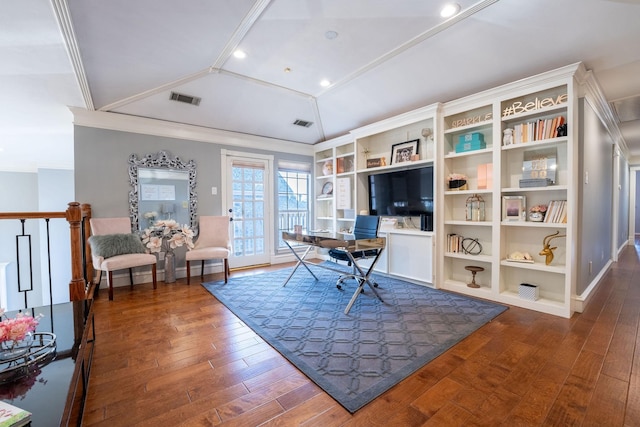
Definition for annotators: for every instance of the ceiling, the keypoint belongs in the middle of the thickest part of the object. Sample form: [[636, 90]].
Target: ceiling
[[386, 57]]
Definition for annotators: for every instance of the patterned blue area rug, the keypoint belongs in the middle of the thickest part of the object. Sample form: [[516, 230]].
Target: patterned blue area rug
[[354, 357]]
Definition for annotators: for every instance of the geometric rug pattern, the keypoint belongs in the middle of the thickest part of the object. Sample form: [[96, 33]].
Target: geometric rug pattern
[[354, 357]]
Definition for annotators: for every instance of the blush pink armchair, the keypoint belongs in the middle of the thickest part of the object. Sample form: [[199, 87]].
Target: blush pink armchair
[[214, 242], [118, 260]]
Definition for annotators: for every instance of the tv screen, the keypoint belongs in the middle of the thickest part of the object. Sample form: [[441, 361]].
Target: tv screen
[[402, 193]]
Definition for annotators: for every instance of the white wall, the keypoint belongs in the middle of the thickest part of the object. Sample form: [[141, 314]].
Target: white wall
[[595, 194], [48, 190]]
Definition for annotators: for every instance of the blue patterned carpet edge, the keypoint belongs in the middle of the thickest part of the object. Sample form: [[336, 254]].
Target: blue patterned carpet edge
[[355, 357]]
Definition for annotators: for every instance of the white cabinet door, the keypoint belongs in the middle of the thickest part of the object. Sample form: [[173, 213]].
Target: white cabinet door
[[410, 256]]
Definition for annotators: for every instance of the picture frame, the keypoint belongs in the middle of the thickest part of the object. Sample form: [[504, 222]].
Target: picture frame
[[514, 208], [403, 151]]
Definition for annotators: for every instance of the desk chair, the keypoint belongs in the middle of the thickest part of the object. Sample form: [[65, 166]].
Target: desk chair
[[365, 227], [214, 242], [120, 252]]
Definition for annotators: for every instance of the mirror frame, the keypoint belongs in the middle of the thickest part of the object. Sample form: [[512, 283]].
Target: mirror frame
[[161, 160]]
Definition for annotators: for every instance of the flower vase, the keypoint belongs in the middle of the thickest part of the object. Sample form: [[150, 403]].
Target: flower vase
[[458, 184], [13, 349], [169, 267], [536, 216]]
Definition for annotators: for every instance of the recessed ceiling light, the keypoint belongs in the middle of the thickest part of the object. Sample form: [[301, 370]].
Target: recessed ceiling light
[[325, 83], [287, 70], [240, 54], [330, 35], [449, 10]]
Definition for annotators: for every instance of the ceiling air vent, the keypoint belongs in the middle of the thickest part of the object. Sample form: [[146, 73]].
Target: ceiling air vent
[[180, 97], [302, 123]]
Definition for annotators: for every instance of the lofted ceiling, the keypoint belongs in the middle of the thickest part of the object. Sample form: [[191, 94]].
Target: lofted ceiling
[[382, 58]]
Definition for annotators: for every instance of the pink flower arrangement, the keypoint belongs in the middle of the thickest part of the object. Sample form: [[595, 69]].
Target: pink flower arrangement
[[16, 329], [457, 177], [538, 208], [166, 235]]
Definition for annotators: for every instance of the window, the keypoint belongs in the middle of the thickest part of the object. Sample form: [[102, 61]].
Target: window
[[293, 197]]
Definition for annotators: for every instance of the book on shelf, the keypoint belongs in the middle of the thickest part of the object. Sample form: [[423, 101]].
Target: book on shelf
[[12, 416], [537, 130], [454, 243], [556, 212]]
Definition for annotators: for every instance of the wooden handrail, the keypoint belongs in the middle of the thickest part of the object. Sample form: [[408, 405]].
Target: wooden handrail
[[31, 215]]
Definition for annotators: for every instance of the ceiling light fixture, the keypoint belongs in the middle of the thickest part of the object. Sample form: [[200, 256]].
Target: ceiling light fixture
[[240, 54], [330, 35], [325, 83], [449, 9]]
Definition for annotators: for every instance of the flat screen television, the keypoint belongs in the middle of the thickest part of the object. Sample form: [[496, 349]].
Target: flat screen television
[[402, 193]]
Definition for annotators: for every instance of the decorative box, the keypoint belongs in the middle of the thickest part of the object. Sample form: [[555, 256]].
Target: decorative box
[[528, 291], [535, 182], [470, 141]]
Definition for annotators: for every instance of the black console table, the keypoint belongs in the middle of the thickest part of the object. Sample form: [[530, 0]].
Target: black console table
[[55, 390]]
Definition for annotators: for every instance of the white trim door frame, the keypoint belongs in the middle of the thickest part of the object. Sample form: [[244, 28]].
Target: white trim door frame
[[247, 180]]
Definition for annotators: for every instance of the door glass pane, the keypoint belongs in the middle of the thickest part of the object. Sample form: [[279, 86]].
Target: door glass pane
[[248, 210]]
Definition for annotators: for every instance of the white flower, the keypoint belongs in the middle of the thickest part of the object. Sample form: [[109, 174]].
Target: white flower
[[166, 235]]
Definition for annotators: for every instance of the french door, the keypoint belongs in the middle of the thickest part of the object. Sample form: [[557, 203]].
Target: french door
[[248, 196]]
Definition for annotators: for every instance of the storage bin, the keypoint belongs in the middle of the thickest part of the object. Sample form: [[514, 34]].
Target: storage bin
[[528, 291]]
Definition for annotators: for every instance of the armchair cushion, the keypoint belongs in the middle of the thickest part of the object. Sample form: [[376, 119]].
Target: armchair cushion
[[110, 245]]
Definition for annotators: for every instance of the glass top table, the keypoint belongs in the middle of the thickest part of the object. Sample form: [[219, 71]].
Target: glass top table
[[42, 388], [349, 243]]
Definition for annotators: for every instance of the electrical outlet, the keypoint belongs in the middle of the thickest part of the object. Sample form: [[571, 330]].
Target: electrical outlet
[[590, 267]]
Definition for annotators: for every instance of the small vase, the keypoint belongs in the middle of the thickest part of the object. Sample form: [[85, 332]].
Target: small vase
[[11, 349], [458, 184], [536, 216], [169, 267]]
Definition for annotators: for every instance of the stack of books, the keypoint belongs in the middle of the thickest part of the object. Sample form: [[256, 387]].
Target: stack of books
[[538, 130], [556, 212]]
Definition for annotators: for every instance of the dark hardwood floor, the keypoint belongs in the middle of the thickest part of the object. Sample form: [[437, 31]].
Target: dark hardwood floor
[[176, 356]]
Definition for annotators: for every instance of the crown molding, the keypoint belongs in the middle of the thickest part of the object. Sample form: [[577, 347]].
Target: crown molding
[[146, 126]]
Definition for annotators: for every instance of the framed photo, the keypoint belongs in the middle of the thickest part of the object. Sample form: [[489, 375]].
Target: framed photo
[[514, 208], [403, 151]]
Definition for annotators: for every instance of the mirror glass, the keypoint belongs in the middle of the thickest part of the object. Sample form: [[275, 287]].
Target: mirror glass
[[162, 187]]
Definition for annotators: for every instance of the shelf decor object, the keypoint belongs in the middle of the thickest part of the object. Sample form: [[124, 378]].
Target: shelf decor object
[[473, 269], [537, 213], [514, 208], [402, 152], [327, 188], [547, 250], [528, 291], [457, 181], [475, 208]]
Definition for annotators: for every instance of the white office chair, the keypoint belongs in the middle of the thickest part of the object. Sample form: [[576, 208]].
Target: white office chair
[[214, 242], [118, 226]]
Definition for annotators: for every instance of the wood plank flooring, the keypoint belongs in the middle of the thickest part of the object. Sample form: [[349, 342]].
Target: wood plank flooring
[[176, 356]]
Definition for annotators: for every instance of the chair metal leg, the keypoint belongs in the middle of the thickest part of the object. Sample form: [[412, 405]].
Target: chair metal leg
[[188, 272]]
